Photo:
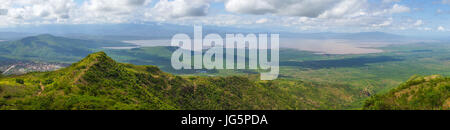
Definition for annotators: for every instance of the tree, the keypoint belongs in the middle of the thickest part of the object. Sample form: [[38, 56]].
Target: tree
[[20, 81]]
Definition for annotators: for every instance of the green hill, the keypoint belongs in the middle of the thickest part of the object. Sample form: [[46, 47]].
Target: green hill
[[418, 93], [51, 48], [98, 82]]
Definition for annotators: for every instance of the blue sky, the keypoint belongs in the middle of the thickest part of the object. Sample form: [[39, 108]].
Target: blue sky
[[415, 17]]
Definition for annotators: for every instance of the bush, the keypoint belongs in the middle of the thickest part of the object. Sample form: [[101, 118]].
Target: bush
[[47, 82], [20, 81]]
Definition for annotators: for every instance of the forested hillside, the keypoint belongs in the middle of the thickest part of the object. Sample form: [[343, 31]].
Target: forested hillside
[[98, 82], [418, 93]]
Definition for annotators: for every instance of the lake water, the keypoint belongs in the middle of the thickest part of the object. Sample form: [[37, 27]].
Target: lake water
[[143, 43], [149, 43], [327, 46], [332, 46]]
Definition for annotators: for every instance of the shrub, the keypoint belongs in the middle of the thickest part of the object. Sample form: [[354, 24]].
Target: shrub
[[20, 81], [47, 82]]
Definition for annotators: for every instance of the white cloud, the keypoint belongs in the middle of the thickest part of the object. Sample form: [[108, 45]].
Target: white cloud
[[346, 8], [35, 11], [261, 21], [68, 11], [418, 23], [315, 15], [251, 6], [323, 14], [41, 8], [396, 8], [440, 28], [384, 24], [109, 11], [179, 8], [114, 6], [306, 8]]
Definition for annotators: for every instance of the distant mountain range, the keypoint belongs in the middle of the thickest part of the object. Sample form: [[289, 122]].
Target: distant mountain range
[[48, 47], [13, 35], [166, 31]]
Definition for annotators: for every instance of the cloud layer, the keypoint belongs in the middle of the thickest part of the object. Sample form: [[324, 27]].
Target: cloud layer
[[298, 15], [302, 8], [179, 8]]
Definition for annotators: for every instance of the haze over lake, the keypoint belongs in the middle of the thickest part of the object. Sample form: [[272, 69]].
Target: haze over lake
[[327, 46], [332, 46], [143, 43]]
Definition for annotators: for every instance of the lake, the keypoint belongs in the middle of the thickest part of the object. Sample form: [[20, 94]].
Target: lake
[[319, 46], [332, 46]]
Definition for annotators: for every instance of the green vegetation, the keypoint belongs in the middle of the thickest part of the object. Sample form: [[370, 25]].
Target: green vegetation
[[306, 81], [98, 82], [418, 93], [20, 81]]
